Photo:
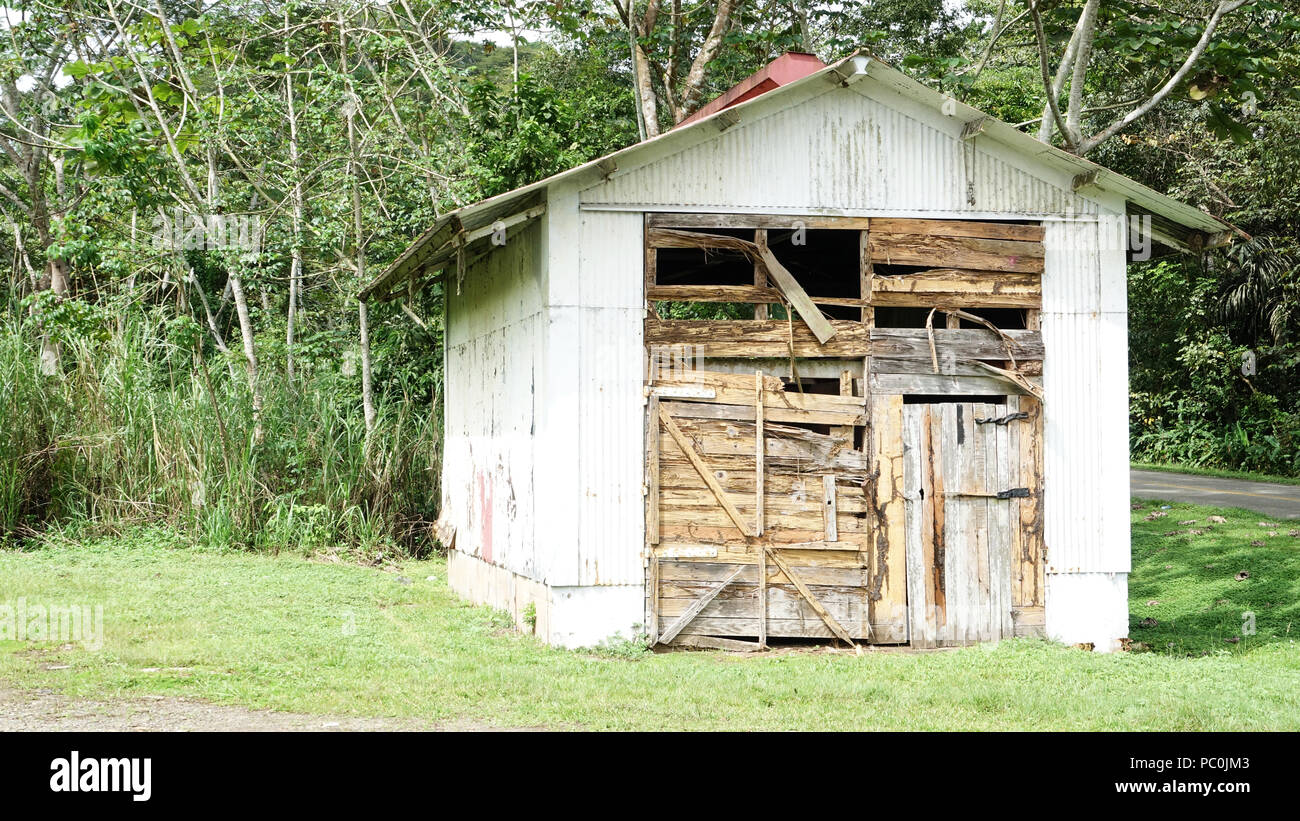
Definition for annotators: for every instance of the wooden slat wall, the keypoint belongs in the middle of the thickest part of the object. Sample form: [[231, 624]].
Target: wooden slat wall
[[859, 563]]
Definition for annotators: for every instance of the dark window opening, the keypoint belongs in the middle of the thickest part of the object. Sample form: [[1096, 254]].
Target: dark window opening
[[1008, 319], [895, 317]]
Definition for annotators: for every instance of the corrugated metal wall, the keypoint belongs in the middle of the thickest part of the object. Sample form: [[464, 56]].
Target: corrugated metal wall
[[611, 511], [495, 342], [844, 151], [1084, 324]]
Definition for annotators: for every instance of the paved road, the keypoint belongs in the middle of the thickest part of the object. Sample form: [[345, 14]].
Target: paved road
[[1278, 501]]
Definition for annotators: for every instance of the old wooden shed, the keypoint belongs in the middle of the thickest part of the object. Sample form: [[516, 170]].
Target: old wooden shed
[[910, 428]]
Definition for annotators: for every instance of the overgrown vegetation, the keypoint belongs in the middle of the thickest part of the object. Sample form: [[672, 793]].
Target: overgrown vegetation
[[146, 430], [242, 396]]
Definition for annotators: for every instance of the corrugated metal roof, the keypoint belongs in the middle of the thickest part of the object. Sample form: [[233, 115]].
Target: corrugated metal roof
[[439, 245]]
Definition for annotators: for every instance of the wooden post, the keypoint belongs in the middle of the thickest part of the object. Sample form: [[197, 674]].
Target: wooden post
[[759, 447], [760, 274], [829, 525]]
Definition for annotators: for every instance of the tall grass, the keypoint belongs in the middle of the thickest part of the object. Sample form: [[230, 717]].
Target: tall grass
[[130, 433]]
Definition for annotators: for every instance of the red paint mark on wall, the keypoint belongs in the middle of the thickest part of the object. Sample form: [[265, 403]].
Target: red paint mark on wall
[[485, 517]]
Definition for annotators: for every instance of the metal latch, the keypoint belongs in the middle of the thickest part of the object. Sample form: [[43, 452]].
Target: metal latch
[[1002, 420]]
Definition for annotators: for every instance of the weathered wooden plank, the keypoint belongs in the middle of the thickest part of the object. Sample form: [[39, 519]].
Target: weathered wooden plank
[[676, 238], [959, 280], [756, 338], [712, 293], [686, 551], [760, 274], [954, 299], [782, 492], [828, 508], [821, 611], [943, 384], [934, 251], [652, 470], [959, 228], [787, 527], [759, 451], [786, 628], [788, 285], [652, 587], [817, 575], [885, 489], [848, 608], [1003, 519], [762, 598], [658, 220], [716, 643], [935, 545], [948, 364], [705, 472], [1029, 622], [737, 389], [915, 480], [742, 413], [842, 301], [966, 343], [691, 612], [1032, 565], [722, 437]]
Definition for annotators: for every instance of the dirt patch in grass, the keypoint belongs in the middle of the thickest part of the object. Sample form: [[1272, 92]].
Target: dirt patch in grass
[[48, 711]]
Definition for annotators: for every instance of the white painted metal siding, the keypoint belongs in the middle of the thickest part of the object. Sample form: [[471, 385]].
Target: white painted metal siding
[[590, 509], [495, 343], [610, 452], [835, 150], [1084, 324]]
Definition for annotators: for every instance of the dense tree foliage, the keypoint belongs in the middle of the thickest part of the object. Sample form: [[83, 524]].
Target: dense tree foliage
[[194, 191]]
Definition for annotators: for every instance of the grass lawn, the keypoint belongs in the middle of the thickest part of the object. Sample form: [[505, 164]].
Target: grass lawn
[[293, 634]]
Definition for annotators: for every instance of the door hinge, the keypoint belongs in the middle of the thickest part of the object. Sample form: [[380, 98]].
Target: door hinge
[[1002, 420]]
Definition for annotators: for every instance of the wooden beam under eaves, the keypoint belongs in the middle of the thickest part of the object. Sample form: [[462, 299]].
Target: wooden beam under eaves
[[504, 224]]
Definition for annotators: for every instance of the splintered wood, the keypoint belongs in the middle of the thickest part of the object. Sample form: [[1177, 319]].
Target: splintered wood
[[874, 500]]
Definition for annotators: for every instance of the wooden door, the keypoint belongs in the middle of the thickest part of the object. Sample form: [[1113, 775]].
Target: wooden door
[[759, 520], [969, 479]]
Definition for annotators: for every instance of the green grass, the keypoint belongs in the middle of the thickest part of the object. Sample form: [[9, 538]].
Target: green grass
[[1218, 473], [1191, 577], [263, 631]]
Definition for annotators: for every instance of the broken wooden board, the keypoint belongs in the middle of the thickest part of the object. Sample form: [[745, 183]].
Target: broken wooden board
[[959, 228], [934, 251], [756, 338], [966, 343], [946, 385], [799, 300]]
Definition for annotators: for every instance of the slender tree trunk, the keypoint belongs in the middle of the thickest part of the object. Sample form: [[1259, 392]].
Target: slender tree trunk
[[250, 351], [295, 266], [1085, 31], [354, 163]]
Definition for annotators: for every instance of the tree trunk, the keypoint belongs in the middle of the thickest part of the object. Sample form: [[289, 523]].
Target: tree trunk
[[250, 352], [354, 163]]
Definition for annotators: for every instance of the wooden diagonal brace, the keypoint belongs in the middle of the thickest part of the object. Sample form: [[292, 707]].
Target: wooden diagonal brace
[[696, 606], [816, 605], [702, 468]]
